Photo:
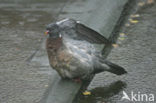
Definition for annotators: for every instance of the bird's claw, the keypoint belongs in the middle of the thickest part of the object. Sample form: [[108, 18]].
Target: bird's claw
[[77, 80]]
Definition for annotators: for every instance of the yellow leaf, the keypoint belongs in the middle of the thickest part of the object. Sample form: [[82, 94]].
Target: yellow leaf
[[141, 3], [133, 21], [86, 93], [45, 85], [135, 15], [121, 38], [115, 45], [122, 34]]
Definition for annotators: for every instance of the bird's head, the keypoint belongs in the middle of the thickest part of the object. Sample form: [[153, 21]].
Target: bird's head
[[53, 30]]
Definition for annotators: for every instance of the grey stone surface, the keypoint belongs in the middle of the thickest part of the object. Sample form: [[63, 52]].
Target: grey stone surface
[[24, 79], [22, 26], [100, 15], [137, 54]]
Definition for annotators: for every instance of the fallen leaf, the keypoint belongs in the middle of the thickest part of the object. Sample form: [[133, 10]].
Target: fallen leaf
[[127, 24], [86, 93], [134, 15], [121, 38], [150, 1], [141, 3], [45, 85], [133, 21], [122, 34], [115, 45]]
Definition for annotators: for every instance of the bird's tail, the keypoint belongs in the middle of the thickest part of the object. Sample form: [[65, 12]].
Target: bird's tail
[[106, 65]]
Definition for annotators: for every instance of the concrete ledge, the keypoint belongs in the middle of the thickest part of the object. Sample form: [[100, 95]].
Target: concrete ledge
[[101, 15], [136, 53]]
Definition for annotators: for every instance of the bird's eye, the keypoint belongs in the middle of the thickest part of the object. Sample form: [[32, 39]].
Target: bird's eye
[[46, 32]]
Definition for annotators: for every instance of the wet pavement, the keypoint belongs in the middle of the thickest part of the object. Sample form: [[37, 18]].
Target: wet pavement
[[22, 25], [25, 74], [136, 52]]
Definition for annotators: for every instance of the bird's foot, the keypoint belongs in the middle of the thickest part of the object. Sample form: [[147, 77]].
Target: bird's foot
[[77, 80]]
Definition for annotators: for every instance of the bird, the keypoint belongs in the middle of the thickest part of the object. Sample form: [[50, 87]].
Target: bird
[[72, 52]]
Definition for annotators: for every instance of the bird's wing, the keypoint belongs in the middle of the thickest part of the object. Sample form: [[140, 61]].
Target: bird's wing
[[90, 35]]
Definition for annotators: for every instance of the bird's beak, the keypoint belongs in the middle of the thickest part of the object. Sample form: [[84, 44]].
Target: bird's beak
[[47, 32]]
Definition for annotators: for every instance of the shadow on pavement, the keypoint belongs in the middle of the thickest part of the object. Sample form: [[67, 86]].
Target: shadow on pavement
[[102, 93]]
